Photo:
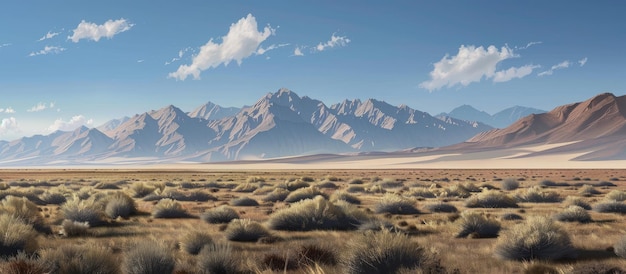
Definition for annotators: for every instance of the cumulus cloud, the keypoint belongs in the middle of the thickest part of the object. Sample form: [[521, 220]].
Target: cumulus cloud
[[88, 30], [298, 52], [9, 125], [243, 40], [335, 41], [582, 62], [49, 35], [40, 107], [47, 50], [562, 65], [513, 72], [74, 123], [262, 51], [7, 110], [472, 64]]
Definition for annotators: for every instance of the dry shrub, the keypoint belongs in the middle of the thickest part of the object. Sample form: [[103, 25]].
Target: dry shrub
[[120, 205], [279, 262], [355, 188], [457, 190], [616, 195], [387, 252], [23, 263], [576, 201], [611, 207], [247, 187], [71, 228], [344, 196], [441, 208], [317, 214], [80, 259], [16, 235], [309, 254], [511, 217], [537, 195], [277, 195], [244, 201], [245, 230], [421, 192], [141, 189], [25, 210], [83, 211], [148, 257], [53, 198], [302, 194], [219, 258], [219, 215], [168, 208], [476, 225], [491, 199], [538, 238], [588, 190], [573, 214], [509, 184], [194, 241], [620, 247], [395, 204]]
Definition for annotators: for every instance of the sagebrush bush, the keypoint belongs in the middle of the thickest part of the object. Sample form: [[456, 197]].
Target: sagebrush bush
[[549, 183], [511, 217], [537, 195], [83, 211], [317, 214], [344, 196], [246, 187], [441, 208], [537, 238], [219, 215], [616, 195], [395, 204], [576, 201], [244, 201], [192, 242], [71, 228], [25, 210], [475, 225], [120, 205], [309, 254], [16, 235], [30, 195], [457, 190], [355, 188], [106, 185], [421, 192], [23, 263], [80, 259], [491, 199], [219, 258], [168, 208], [148, 257], [610, 207], [140, 189], [509, 184], [294, 185], [277, 195], [620, 247], [588, 190], [573, 214], [355, 181], [53, 198], [245, 230], [302, 194], [377, 225], [386, 252]]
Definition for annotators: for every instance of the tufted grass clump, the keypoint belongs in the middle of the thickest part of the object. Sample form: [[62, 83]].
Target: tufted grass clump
[[441, 208], [245, 230], [344, 196], [576, 201], [387, 252], [616, 195], [395, 204], [83, 211], [620, 247], [141, 189], [475, 225], [16, 236], [537, 195], [588, 191], [80, 259], [120, 205], [573, 214], [610, 207], [168, 208], [246, 187], [303, 193], [244, 201], [219, 258], [71, 228], [491, 199], [23, 263], [277, 195], [421, 192], [317, 214], [192, 242], [509, 184], [53, 198], [148, 257], [25, 210], [219, 215], [509, 216], [539, 238]]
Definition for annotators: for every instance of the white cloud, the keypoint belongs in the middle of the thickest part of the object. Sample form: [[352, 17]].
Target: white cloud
[[262, 51], [562, 65], [298, 52], [5, 45], [7, 110], [9, 125], [181, 53], [74, 123], [40, 107], [335, 41], [582, 62], [88, 30], [241, 42], [49, 35], [513, 72], [140, 61], [48, 50], [471, 64], [530, 44]]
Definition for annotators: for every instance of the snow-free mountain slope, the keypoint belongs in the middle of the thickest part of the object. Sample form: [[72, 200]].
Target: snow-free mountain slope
[[211, 111], [501, 119]]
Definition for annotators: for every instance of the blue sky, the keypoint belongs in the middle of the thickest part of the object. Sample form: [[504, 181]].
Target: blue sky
[[71, 63]]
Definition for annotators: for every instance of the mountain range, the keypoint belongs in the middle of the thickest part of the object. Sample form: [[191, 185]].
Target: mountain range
[[279, 124], [501, 119]]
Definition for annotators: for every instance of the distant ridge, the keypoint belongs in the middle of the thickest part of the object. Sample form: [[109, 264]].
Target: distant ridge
[[279, 124], [501, 119]]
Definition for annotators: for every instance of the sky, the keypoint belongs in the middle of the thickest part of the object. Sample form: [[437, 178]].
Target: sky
[[65, 64]]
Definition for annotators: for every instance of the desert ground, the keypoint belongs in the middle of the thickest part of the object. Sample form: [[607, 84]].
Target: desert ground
[[310, 221]]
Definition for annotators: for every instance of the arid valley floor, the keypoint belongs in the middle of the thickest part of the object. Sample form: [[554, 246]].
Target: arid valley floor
[[407, 202]]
